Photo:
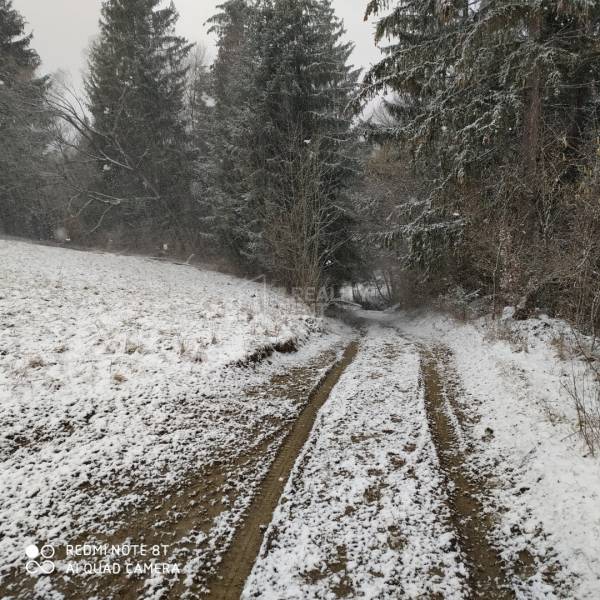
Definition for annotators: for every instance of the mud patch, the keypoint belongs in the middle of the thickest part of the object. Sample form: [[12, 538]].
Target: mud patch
[[260, 354], [473, 526]]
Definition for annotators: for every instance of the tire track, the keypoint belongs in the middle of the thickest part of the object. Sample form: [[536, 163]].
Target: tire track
[[487, 576], [239, 559]]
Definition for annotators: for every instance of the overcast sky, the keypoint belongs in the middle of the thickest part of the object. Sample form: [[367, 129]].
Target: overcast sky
[[63, 29]]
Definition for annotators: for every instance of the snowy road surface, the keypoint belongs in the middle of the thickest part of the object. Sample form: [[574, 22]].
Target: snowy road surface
[[365, 512], [146, 403], [435, 472]]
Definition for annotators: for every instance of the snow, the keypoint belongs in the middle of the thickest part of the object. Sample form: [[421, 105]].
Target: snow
[[123, 378], [364, 513], [547, 495], [118, 379], [363, 516]]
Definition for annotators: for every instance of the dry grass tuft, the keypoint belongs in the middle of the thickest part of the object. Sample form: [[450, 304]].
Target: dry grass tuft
[[501, 331], [132, 347], [182, 348], [198, 357], [119, 378], [36, 362], [563, 349], [584, 390]]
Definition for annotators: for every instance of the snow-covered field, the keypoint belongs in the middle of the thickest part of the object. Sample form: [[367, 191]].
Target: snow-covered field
[[144, 402], [119, 382]]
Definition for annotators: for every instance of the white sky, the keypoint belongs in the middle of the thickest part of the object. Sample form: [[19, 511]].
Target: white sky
[[63, 29]]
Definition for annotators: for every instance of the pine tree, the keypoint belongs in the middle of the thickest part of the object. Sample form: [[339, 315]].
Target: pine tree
[[466, 75], [305, 84], [303, 79], [424, 41], [198, 100], [136, 88], [232, 26], [225, 206], [23, 130]]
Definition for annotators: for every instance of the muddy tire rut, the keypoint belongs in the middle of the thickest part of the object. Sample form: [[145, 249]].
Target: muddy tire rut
[[237, 563], [473, 526]]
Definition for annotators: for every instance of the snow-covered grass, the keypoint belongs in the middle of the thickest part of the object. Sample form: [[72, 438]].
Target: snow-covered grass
[[364, 514], [126, 410], [119, 378], [515, 378]]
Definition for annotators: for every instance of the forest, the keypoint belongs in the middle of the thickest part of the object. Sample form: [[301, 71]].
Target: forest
[[463, 167]]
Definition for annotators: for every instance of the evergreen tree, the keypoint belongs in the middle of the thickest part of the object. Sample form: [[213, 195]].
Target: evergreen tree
[[482, 72], [226, 217], [232, 26], [288, 119], [136, 88], [200, 108], [305, 84], [495, 100], [23, 130], [198, 101]]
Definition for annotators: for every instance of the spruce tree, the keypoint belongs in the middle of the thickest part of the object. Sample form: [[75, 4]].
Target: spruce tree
[[198, 100], [23, 130], [305, 84], [495, 101], [136, 88], [226, 217], [289, 120], [468, 80], [233, 27], [303, 81]]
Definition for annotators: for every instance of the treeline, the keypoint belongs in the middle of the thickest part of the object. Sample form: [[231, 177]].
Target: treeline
[[24, 131], [477, 177], [493, 119], [248, 160]]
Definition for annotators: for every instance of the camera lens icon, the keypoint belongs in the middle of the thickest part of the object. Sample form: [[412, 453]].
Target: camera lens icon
[[39, 567]]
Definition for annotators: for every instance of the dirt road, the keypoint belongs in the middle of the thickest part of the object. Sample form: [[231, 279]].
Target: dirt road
[[228, 582], [384, 501]]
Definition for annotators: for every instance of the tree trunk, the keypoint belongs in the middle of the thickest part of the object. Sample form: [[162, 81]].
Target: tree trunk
[[533, 114]]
